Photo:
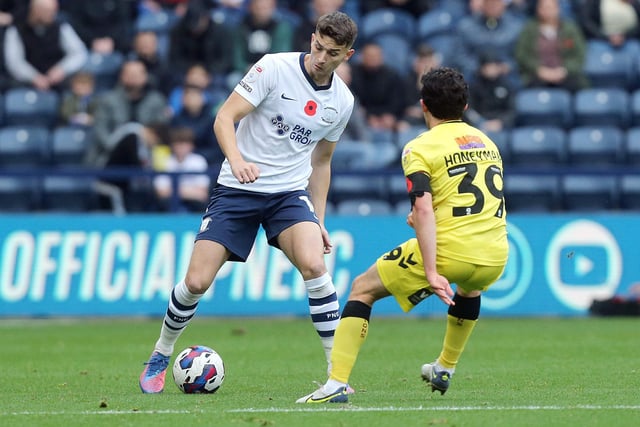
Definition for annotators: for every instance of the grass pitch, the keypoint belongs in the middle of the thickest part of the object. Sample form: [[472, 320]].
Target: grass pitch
[[515, 372]]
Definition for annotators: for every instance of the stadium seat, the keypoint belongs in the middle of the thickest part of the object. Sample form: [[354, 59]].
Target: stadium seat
[[18, 194], [286, 15], [26, 106], [105, 69], [595, 146], [69, 145], [607, 66], [546, 107], [24, 146], [589, 193], [445, 47], [397, 52], [364, 207], [359, 155], [229, 16], [630, 192], [634, 106], [68, 194], [457, 8], [160, 21], [403, 207], [388, 21], [601, 106], [632, 146], [406, 135], [538, 145], [502, 139], [435, 22], [531, 193], [397, 189], [358, 186]]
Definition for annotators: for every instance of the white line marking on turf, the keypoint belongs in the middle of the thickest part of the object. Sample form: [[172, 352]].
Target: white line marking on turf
[[334, 408], [437, 408], [159, 411]]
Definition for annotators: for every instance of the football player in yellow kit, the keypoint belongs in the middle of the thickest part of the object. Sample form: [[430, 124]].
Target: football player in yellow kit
[[454, 181]]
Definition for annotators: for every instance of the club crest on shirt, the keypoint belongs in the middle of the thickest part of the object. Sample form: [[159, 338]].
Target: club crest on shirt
[[329, 115]]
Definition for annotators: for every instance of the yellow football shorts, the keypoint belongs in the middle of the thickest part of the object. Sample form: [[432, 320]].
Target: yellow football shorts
[[402, 273]]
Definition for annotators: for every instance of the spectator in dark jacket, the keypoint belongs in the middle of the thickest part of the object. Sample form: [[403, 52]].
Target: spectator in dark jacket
[[491, 96], [259, 33], [132, 100], [42, 51], [196, 38], [373, 83], [146, 49], [104, 26]]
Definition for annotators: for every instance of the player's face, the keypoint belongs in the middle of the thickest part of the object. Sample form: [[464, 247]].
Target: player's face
[[325, 57]]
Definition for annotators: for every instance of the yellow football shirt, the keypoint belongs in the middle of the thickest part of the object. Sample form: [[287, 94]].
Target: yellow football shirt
[[465, 171]]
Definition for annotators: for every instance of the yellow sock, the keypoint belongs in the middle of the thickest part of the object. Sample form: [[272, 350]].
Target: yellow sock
[[349, 337], [455, 338]]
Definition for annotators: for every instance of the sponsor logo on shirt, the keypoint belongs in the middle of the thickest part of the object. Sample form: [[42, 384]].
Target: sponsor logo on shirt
[[468, 142]]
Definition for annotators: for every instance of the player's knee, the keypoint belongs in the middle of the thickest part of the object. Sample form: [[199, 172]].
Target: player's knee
[[312, 269], [361, 290], [196, 283]]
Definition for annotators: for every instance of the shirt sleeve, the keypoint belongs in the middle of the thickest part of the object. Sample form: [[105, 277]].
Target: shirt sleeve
[[259, 81], [75, 50], [15, 57]]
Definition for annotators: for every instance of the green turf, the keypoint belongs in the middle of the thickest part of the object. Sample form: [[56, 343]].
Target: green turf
[[515, 372]]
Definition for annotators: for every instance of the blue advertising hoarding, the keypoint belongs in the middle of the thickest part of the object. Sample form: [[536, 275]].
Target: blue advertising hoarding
[[103, 265]]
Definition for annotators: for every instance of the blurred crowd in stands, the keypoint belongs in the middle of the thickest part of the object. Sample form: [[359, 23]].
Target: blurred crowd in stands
[[135, 85]]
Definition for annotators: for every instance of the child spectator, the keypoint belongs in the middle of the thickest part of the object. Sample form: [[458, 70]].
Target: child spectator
[[192, 189], [198, 114], [79, 102], [196, 76]]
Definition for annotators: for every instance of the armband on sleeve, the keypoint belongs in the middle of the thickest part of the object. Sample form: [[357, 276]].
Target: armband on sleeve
[[417, 184]]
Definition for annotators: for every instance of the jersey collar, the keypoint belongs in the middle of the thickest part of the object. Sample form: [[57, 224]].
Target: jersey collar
[[309, 79]]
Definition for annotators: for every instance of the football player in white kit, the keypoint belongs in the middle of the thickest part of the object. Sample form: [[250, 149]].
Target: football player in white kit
[[292, 109]]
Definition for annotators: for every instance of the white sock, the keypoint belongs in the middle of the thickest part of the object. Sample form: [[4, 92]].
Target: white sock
[[331, 385], [182, 307], [324, 309], [439, 367]]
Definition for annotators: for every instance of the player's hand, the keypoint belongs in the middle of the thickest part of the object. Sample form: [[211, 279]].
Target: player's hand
[[326, 241], [410, 219], [441, 287], [245, 172]]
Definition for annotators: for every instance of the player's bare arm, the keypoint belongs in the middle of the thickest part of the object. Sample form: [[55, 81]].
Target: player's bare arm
[[319, 183], [424, 223], [231, 112]]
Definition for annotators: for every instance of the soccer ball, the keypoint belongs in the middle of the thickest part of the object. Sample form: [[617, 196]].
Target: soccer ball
[[198, 369]]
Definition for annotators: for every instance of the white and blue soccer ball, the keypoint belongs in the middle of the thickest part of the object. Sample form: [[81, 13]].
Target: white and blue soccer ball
[[198, 369]]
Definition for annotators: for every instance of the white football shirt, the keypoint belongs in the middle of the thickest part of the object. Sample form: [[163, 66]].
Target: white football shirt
[[292, 114]]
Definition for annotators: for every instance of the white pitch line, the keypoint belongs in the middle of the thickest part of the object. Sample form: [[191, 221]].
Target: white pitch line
[[348, 408], [335, 408], [130, 412]]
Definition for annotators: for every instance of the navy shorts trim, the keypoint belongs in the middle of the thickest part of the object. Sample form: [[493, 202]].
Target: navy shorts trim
[[234, 216]]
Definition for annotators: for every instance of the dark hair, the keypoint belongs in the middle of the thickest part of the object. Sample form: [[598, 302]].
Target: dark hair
[[339, 27], [160, 129], [181, 134], [445, 93]]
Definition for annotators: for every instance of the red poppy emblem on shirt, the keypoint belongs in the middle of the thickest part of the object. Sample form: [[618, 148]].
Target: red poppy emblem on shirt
[[409, 185], [311, 108]]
